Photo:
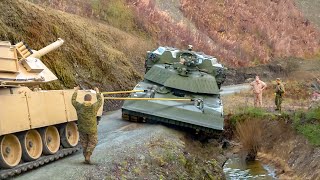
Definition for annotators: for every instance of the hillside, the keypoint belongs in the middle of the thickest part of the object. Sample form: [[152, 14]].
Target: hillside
[[239, 32], [310, 9], [94, 54]]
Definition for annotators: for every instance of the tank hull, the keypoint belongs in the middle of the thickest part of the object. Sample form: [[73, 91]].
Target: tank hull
[[37, 126], [187, 114], [47, 112], [30, 110]]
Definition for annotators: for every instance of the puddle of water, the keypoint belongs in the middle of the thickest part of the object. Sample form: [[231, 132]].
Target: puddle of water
[[235, 169]]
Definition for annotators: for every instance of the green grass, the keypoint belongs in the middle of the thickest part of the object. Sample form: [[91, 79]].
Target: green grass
[[311, 132], [248, 113], [313, 114], [308, 124], [116, 13]]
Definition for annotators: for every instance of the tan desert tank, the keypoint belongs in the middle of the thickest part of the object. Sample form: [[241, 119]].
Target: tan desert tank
[[36, 126]]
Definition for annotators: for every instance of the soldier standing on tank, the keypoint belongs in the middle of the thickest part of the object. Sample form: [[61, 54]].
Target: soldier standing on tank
[[87, 122], [258, 86], [279, 91]]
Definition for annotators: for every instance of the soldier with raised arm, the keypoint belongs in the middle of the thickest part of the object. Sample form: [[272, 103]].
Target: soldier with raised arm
[[87, 122]]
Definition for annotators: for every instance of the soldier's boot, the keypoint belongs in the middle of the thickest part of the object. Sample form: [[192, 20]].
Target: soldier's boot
[[87, 158]]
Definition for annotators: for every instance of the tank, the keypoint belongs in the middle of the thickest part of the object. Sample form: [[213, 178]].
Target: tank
[[36, 126], [180, 87]]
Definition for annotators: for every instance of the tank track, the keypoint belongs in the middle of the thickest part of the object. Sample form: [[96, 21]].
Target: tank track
[[27, 166], [142, 117]]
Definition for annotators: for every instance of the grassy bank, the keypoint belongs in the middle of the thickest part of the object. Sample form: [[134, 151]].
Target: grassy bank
[[289, 140]]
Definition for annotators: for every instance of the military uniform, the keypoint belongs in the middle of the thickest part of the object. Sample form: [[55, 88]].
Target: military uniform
[[279, 91], [87, 123]]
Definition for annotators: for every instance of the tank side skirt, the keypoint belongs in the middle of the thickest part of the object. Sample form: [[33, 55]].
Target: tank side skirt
[[170, 121]]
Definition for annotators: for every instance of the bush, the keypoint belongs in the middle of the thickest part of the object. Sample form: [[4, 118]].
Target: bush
[[249, 134]]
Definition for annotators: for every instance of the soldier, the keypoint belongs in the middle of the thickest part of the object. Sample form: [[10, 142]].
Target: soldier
[[87, 122], [258, 86], [279, 91]]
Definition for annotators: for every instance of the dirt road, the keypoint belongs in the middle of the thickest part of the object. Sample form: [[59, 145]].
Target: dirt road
[[114, 137], [227, 90]]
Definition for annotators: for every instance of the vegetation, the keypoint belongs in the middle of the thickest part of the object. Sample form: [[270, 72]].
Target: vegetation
[[167, 158], [94, 54], [115, 13], [250, 135], [308, 124], [223, 29], [246, 114]]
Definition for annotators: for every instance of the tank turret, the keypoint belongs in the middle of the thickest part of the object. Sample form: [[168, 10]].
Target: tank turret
[[185, 61], [19, 65], [172, 73]]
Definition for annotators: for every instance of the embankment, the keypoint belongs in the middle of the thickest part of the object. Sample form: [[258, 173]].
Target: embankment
[[280, 145]]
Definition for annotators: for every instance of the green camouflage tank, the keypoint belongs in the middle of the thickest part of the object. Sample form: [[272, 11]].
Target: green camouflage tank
[[174, 73]]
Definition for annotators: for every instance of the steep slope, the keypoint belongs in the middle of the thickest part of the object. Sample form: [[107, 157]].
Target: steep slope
[[239, 32], [94, 54], [310, 9]]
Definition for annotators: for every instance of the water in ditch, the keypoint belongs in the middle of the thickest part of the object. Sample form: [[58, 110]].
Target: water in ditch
[[236, 168]]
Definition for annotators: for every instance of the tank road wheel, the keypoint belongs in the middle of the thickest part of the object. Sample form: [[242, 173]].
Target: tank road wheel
[[69, 135], [134, 118], [50, 139], [125, 116], [31, 144], [10, 151]]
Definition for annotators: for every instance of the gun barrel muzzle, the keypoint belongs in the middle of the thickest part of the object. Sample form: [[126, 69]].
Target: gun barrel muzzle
[[47, 49]]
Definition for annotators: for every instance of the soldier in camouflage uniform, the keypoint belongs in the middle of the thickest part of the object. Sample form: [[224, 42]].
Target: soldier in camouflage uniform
[[87, 122], [279, 91]]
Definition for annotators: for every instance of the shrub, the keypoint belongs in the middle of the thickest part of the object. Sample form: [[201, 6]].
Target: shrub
[[249, 134]]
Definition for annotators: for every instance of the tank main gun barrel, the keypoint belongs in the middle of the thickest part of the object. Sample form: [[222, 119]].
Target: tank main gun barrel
[[159, 99], [47, 49], [123, 92]]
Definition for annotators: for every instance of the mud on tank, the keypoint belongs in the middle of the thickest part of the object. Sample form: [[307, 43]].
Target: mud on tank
[[172, 74], [36, 126]]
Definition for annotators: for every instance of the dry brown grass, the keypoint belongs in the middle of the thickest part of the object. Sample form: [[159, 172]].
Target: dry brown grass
[[297, 96], [249, 135], [94, 54], [227, 30]]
